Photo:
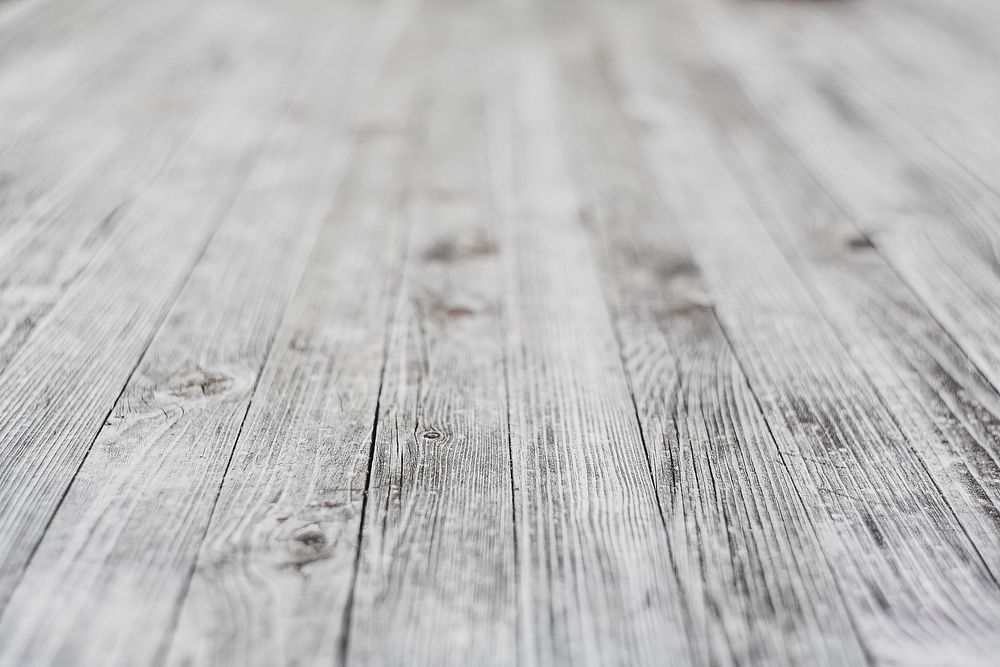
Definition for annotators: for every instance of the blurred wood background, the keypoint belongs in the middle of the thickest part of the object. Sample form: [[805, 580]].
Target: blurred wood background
[[401, 332]]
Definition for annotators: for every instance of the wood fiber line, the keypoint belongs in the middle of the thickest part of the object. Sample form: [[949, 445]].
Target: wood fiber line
[[274, 574], [947, 408], [436, 579], [72, 179], [944, 405], [59, 387], [917, 584], [171, 433], [930, 214], [935, 134], [596, 576], [757, 584], [426, 332], [32, 83]]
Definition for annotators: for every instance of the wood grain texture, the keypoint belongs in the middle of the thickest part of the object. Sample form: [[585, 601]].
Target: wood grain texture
[[85, 360], [908, 171], [181, 412], [820, 406], [944, 403], [757, 584], [436, 578], [32, 81], [542, 333], [71, 178], [597, 582], [274, 576]]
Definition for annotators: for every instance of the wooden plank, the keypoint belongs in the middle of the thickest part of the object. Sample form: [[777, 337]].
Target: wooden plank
[[60, 386], [946, 407], [92, 117], [597, 579], [946, 136], [32, 80], [929, 214], [436, 572], [72, 179], [274, 574], [914, 58], [105, 583], [892, 79], [652, 379], [944, 130], [904, 559], [757, 583]]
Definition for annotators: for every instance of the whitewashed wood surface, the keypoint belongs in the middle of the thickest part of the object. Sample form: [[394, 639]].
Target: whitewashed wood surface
[[421, 332]]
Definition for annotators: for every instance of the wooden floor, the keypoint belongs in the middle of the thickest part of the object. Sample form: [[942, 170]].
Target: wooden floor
[[539, 332]]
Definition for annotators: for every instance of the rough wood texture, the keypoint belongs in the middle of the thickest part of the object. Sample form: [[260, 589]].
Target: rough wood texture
[[938, 383], [754, 574], [849, 453], [184, 404], [592, 544], [53, 218], [90, 343], [439, 515], [428, 332], [290, 508]]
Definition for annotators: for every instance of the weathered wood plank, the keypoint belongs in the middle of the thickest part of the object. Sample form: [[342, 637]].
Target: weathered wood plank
[[71, 179], [896, 543], [32, 80], [757, 584], [274, 575], [931, 214], [627, 339], [169, 438], [892, 88], [59, 387], [944, 137], [436, 575], [597, 580], [946, 407]]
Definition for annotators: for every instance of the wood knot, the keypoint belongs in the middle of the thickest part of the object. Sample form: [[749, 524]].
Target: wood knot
[[453, 250], [201, 384], [431, 434], [309, 545], [311, 538], [458, 312], [859, 242], [299, 342], [223, 382]]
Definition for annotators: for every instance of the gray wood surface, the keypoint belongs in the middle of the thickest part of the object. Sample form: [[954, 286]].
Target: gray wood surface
[[290, 508], [745, 537], [439, 513], [543, 333]]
